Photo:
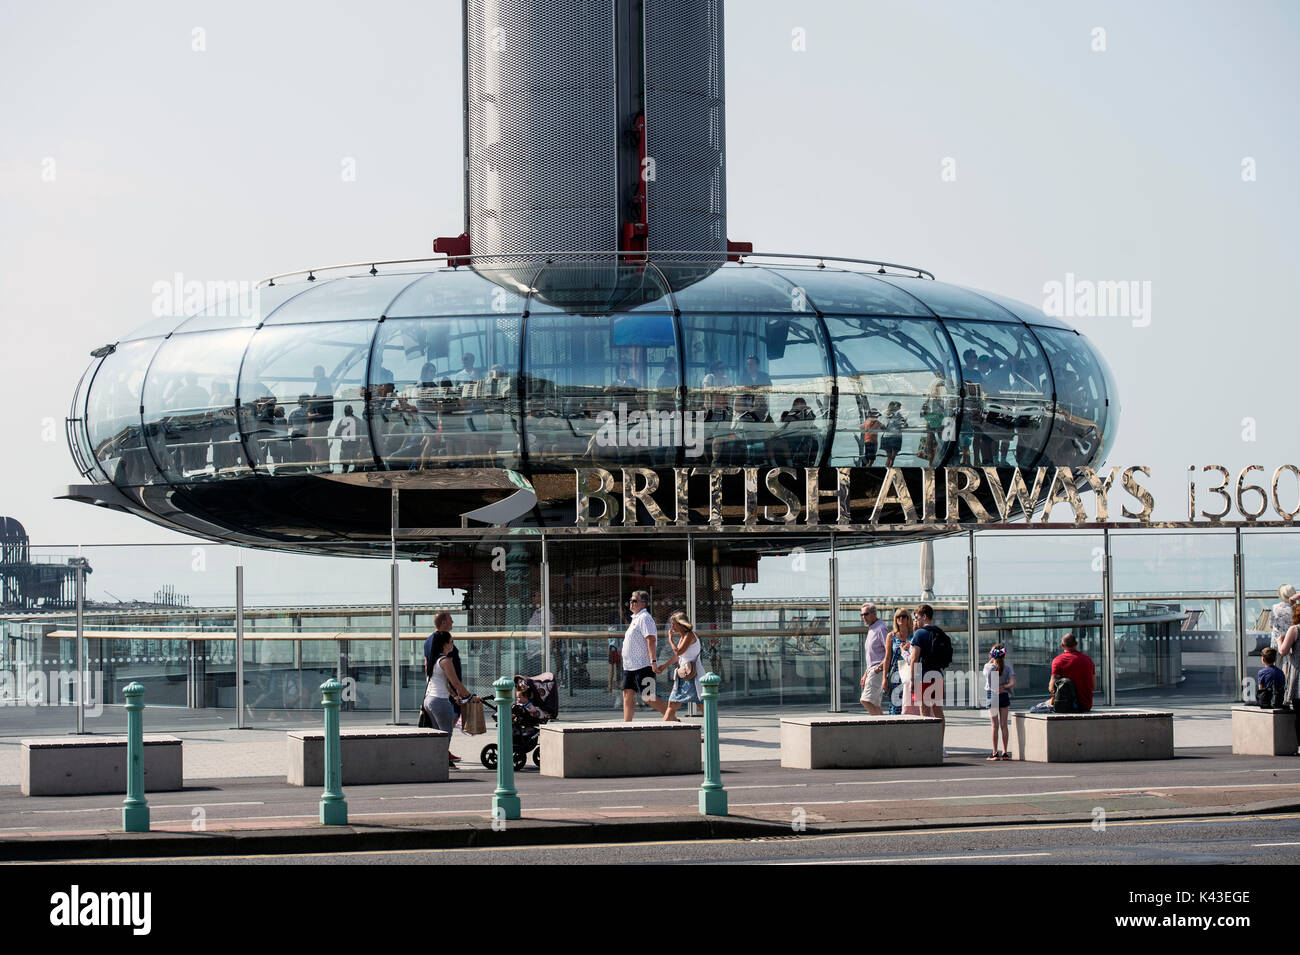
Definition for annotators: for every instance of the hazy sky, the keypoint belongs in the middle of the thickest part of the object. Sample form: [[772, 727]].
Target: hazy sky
[[126, 156]]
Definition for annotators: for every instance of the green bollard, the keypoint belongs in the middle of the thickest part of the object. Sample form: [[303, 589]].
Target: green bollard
[[135, 808], [505, 801], [713, 798], [333, 807]]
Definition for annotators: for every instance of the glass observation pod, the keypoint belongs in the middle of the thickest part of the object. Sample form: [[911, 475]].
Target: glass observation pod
[[283, 418]]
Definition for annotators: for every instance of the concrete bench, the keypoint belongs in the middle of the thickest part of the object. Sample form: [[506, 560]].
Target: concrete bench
[[1260, 732], [96, 765], [860, 742], [586, 750], [382, 754], [1092, 737]]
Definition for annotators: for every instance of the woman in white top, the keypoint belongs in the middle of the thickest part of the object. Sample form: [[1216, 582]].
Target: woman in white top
[[1287, 651], [1280, 616], [686, 653], [442, 683]]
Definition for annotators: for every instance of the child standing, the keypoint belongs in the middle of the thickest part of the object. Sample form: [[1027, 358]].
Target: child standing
[[999, 680]]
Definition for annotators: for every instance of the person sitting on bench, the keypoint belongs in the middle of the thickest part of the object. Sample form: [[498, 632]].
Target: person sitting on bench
[[1073, 681]]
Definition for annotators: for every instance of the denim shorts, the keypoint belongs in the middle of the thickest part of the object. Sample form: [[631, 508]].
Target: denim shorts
[[684, 691]]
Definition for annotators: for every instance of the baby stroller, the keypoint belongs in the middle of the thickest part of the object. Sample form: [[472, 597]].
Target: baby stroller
[[541, 705]]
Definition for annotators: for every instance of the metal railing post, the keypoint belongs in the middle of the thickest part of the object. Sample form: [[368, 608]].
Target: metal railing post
[[713, 797], [692, 709], [333, 807], [83, 678], [690, 579], [135, 808], [396, 650], [1239, 582], [973, 620], [835, 630], [1108, 618], [239, 646], [546, 608]]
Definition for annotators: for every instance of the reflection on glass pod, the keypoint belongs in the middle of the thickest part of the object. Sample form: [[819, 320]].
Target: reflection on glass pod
[[189, 404], [445, 375], [441, 394]]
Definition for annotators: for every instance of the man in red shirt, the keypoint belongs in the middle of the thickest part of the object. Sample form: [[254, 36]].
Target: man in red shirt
[[1078, 668]]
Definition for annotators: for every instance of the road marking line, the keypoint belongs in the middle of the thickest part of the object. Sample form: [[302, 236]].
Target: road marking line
[[610, 792], [1029, 796], [604, 792], [173, 805], [485, 813], [587, 792], [912, 859], [1269, 845], [958, 779], [479, 795], [1113, 789], [810, 802]]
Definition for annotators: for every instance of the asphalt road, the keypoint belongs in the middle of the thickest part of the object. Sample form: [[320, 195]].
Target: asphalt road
[[759, 788], [1246, 839]]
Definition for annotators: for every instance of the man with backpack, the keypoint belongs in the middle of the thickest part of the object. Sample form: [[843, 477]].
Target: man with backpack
[[932, 649], [1073, 681]]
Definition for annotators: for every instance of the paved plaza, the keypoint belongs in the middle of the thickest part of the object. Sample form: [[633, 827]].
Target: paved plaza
[[752, 735], [236, 795]]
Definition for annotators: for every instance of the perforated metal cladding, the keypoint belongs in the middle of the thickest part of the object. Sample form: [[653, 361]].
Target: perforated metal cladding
[[685, 134], [542, 126]]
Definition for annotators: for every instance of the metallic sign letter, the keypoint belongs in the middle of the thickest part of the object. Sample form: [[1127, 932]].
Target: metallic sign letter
[[1139, 492], [813, 494], [1062, 491], [1017, 493], [631, 495], [585, 497], [782, 494], [893, 490], [956, 495]]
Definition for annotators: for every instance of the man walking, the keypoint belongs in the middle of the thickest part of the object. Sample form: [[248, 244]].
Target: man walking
[[639, 652], [931, 654], [441, 621], [875, 681]]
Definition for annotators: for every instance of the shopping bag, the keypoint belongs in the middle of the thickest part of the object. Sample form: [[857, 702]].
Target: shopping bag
[[472, 721]]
